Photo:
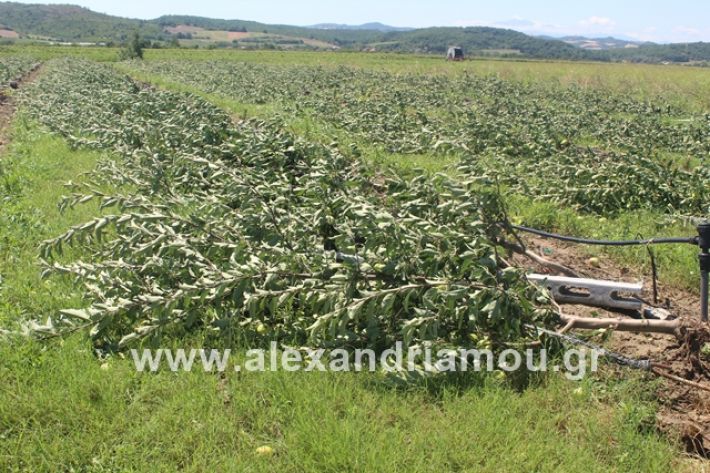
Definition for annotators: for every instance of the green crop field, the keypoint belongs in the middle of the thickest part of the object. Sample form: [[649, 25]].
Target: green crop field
[[230, 199]]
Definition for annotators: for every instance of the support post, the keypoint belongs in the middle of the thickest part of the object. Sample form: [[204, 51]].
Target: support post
[[704, 257]]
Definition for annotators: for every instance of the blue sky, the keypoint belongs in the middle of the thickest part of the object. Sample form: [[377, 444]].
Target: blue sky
[[649, 20]]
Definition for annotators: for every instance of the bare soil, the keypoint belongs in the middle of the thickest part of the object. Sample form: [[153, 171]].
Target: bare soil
[[232, 35], [4, 33], [685, 410], [6, 111], [7, 106], [184, 29]]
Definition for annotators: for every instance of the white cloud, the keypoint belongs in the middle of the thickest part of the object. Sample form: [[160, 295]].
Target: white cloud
[[678, 34], [519, 24], [647, 34], [599, 21], [690, 34], [594, 27], [688, 31]]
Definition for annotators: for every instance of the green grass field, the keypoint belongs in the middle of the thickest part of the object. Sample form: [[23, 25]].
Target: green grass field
[[62, 409]]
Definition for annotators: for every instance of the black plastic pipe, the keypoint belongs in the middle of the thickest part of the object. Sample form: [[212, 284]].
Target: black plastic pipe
[[586, 241]]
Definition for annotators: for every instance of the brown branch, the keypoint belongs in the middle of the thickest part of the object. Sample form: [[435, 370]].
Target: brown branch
[[678, 379], [568, 326]]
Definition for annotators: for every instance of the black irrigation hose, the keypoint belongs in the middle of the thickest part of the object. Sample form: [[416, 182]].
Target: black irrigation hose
[[613, 356], [586, 241]]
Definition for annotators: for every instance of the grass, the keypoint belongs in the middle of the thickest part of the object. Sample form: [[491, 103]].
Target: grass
[[677, 264], [60, 410], [47, 52], [32, 175]]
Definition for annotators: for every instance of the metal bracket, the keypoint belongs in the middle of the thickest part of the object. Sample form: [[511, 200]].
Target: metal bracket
[[594, 292]]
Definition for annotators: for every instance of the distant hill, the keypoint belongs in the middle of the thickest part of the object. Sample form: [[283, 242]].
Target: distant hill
[[342, 38], [480, 39], [366, 26], [71, 23], [433, 40], [20, 21], [658, 53]]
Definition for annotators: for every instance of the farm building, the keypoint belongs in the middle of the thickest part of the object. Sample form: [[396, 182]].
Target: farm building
[[455, 53]]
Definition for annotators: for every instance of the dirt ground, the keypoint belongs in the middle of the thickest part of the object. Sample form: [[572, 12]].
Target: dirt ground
[[232, 35], [4, 33], [6, 112], [184, 29], [685, 410], [7, 106]]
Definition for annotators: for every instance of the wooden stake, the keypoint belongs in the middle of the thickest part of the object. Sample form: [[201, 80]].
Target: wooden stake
[[623, 325]]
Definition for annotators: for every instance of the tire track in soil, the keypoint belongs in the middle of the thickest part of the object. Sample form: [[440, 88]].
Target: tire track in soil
[[685, 411], [8, 105]]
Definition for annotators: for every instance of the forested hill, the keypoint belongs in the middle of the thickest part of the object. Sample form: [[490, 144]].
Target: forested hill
[[342, 38], [76, 24], [495, 40], [482, 39], [71, 23]]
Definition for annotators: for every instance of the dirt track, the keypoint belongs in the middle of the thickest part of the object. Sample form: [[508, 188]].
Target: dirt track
[[685, 411], [7, 105], [7, 109]]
